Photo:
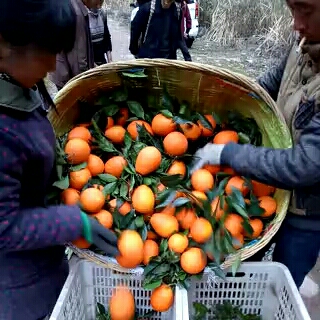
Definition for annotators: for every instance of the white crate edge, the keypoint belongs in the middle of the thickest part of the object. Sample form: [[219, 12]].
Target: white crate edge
[[252, 265], [180, 297]]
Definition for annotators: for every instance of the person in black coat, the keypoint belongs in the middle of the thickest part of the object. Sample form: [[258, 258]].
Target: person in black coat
[[156, 35]]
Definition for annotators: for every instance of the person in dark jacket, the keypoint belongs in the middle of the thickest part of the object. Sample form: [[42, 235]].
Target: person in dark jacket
[[186, 24], [155, 30], [100, 34], [81, 57], [295, 85], [32, 235]]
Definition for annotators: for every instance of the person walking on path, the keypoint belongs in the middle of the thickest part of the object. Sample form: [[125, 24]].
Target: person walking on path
[[295, 85], [32, 233], [186, 24], [156, 30], [100, 34]]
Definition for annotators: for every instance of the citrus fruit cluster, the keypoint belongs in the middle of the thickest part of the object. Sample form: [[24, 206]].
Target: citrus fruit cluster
[[129, 168]]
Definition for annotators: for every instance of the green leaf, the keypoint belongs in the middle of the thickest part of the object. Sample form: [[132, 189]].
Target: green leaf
[[204, 121], [147, 181], [62, 184], [78, 167], [167, 101], [180, 202], [139, 222], [110, 110], [163, 245], [242, 212], [120, 96], [59, 169], [136, 108], [179, 120], [105, 177], [171, 180], [236, 265], [243, 138], [167, 113], [124, 190], [139, 74], [247, 227], [109, 188], [153, 285]]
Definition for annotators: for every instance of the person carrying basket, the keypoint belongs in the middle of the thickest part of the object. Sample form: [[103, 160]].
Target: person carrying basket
[[32, 234], [295, 85]]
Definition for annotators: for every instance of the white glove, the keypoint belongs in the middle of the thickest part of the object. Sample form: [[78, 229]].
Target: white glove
[[209, 154]]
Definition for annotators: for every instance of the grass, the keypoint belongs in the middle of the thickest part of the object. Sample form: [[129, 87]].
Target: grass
[[230, 22]]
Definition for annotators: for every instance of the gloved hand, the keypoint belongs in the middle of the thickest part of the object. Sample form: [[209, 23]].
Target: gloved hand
[[209, 154], [98, 235]]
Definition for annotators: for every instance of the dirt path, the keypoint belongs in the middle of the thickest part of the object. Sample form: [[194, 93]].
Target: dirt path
[[244, 60]]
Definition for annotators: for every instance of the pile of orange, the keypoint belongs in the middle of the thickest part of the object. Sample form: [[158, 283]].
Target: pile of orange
[[181, 222]]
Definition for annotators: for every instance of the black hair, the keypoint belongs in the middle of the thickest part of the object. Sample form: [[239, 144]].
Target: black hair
[[49, 25]]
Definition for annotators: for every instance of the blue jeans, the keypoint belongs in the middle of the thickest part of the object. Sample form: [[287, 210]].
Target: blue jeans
[[297, 249]]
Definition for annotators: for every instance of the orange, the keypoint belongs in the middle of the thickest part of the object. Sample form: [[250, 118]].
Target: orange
[[115, 134], [226, 136], [150, 249], [193, 260], [162, 298], [122, 116], [81, 243], [77, 151], [130, 246], [233, 223], [205, 131], [229, 170], [212, 169], [110, 123], [164, 225], [178, 243], [175, 144], [269, 205], [70, 196], [143, 199], [133, 130], [238, 241], [92, 200], [199, 195], [115, 166], [121, 304], [201, 230], [105, 218], [85, 125], [177, 167], [191, 131], [169, 209], [161, 125], [202, 180], [79, 133], [257, 226], [130, 262], [186, 217], [261, 189], [216, 210], [148, 160], [237, 183], [95, 165], [152, 235], [78, 179], [124, 209]]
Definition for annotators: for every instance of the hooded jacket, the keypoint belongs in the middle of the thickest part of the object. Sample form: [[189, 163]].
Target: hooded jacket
[[163, 31], [295, 85], [32, 261]]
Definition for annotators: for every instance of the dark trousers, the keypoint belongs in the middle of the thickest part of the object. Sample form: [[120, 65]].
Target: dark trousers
[[184, 49], [297, 249]]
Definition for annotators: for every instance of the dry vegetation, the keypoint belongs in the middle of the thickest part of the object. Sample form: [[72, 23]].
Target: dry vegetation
[[229, 22]]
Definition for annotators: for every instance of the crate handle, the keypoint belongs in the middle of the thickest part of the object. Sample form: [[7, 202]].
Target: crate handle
[[237, 275]]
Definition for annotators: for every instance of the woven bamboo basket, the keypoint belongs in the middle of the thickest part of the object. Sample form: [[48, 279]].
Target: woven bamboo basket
[[207, 89]]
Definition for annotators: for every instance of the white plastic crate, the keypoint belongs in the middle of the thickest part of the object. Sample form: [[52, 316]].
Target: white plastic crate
[[262, 288], [88, 283]]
